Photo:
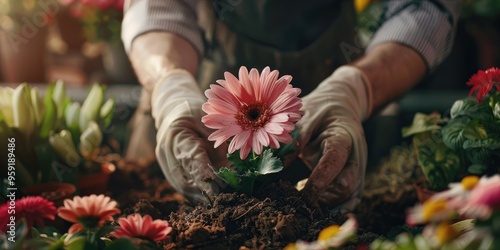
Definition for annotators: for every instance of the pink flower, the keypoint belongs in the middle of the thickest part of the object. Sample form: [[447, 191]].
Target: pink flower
[[136, 226], [88, 211], [32, 208], [482, 82], [255, 110], [483, 199]]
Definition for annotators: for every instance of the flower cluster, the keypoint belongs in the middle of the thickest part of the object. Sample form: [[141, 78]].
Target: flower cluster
[[101, 18], [255, 113], [462, 217], [92, 217]]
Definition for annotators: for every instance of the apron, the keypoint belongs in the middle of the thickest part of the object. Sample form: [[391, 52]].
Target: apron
[[227, 50]]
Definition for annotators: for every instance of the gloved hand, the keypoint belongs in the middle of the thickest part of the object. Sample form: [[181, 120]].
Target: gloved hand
[[332, 142], [182, 150]]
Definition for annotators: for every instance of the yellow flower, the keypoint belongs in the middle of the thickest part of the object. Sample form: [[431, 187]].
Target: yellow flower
[[361, 5]]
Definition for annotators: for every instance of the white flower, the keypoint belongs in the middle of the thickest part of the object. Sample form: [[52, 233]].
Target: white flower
[[91, 106], [6, 108], [24, 118]]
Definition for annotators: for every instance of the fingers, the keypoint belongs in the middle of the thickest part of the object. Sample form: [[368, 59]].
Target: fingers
[[341, 189]]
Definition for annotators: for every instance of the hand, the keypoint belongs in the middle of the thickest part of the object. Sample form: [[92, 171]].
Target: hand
[[332, 142], [182, 150]]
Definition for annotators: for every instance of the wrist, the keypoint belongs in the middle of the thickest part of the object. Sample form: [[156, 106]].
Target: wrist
[[353, 82]]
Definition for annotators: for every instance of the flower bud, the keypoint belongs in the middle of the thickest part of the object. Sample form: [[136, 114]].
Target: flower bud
[[63, 145], [90, 108], [38, 107], [90, 140], [6, 109], [24, 119]]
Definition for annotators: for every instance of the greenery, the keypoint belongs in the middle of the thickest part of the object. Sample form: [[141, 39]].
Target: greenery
[[467, 142], [242, 174], [51, 129]]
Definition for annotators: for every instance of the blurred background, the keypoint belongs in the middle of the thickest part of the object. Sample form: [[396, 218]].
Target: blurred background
[[78, 41]]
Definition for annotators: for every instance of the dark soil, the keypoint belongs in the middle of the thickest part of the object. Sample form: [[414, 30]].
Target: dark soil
[[270, 219]]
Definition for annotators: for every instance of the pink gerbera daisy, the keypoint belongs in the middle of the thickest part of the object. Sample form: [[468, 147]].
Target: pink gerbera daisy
[[255, 110], [34, 209], [136, 226], [88, 212], [483, 81]]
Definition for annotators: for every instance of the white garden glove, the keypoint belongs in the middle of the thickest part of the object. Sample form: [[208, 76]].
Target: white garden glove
[[182, 150], [332, 142]]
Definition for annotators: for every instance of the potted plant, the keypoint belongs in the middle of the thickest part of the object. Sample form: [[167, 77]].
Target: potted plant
[[467, 142], [101, 21], [46, 132]]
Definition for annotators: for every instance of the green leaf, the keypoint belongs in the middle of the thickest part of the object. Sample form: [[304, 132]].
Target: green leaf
[[439, 163], [478, 155], [286, 149], [104, 230], [423, 123], [241, 166], [230, 177], [490, 143], [50, 118], [453, 133], [477, 169], [267, 163], [106, 112], [468, 107], [91, 106], [120, 244]]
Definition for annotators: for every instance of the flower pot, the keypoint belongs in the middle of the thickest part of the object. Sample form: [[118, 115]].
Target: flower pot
[[96, 183], [423, 193], [56, 192]]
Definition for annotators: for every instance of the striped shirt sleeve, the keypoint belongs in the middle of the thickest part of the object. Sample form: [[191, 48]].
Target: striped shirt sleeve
[[428, 26], [176, 16]]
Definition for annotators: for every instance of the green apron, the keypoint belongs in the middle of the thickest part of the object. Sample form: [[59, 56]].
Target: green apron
[[229, 48]]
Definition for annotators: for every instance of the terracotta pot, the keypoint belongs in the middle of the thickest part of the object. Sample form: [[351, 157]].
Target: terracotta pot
[[22, 56], [423, 193], [56, 192], [96, 183]]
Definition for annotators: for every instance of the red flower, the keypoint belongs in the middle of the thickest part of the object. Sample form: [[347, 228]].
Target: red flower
[[482, 82], [142, 227], [32, 208]]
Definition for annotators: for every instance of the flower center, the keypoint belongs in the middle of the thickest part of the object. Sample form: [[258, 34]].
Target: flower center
[[253, 115], [432, 207], [469, 182], [329, 232]]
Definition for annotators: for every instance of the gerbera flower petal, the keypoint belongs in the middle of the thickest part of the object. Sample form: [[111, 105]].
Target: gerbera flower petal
[[483, 81], [142, 227], [98, 208], [261, 105], [32, 208]]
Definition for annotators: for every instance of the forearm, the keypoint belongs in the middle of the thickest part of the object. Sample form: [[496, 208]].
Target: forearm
[[154, 53], [392, 70]]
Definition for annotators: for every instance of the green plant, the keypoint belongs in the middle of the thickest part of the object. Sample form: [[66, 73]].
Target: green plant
[[41, 130], [468, 142], [101, 19]]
